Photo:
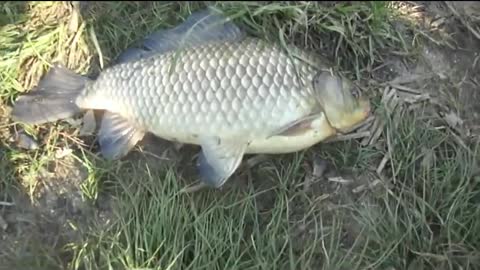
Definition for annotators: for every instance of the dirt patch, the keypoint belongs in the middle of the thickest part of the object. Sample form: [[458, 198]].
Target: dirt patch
[[448, 65], [57, 215]]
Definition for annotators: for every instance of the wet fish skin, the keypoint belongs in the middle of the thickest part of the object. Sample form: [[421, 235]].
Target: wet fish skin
[[247, 90], [229, 93]]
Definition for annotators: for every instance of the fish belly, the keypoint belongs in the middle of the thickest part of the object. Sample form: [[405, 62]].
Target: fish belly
[[320, 130]]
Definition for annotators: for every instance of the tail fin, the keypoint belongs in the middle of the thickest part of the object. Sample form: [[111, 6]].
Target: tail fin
[[53, 99]]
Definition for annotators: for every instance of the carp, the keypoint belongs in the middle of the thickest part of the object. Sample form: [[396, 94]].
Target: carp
[[205, 82]]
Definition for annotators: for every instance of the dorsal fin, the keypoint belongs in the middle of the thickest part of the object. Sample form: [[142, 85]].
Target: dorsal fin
[[201, 27]]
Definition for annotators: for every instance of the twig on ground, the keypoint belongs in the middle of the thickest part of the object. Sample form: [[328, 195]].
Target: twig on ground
[[348, 137], [319, 168], [193, 188], [382, 164], [369, 186], [404, 88], [363, 125], [7, 203], [408, 79], [340, 179]]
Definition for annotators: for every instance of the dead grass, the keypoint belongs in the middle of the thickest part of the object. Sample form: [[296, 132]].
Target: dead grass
[[405, 199]]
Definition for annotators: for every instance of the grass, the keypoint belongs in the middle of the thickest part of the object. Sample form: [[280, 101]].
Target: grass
[[423, 215]]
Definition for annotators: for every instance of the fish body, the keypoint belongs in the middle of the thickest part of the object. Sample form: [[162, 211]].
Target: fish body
[[217, 88], [245, 90]]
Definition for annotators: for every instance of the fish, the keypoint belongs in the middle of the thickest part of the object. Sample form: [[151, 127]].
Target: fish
[[205, 82]]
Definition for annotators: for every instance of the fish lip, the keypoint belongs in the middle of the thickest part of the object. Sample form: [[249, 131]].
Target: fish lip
[[368, 108], [366, 113]]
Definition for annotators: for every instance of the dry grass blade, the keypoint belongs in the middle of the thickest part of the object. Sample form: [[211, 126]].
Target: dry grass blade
[[347, 137], [409, 79], [366, 187], [339, 179], [412, 99], [375, 132], [319, 168], [404, 88], [3, 224], [194, 188], [382, 164], [390, 102], [6, 203], [470, 28]]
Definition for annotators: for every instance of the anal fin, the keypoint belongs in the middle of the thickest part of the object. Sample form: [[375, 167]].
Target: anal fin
[[219, 159], [117, 136]]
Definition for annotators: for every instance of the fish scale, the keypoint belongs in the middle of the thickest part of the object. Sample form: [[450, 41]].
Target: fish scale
[[217, 88], [234, 107]]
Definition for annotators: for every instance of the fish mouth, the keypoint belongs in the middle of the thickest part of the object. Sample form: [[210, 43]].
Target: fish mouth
[[367, 107], [356, 119]]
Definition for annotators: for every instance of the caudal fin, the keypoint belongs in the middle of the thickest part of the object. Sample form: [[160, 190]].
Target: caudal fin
[[53, 99]]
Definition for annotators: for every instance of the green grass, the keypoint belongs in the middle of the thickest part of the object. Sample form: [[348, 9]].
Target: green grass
[[423, 215], [426, 216]]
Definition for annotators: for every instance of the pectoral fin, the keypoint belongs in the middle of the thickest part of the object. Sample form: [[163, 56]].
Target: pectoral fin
[[297, 127], [219, 159], [117, 136]]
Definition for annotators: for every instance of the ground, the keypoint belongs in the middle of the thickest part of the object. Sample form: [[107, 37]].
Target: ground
[[401, 193]]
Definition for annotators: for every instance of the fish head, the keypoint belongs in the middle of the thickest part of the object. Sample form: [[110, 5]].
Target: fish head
[[341, 100]]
